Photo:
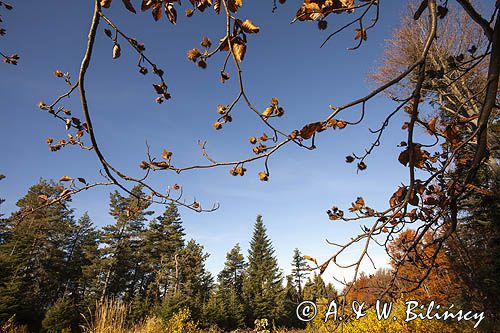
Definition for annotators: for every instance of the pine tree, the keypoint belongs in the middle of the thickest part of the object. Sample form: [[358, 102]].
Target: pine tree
[[192, 283], [121, 261], [263, 283]]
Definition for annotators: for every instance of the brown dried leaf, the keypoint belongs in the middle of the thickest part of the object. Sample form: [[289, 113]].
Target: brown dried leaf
[[193, 54], [308, 130], [156, 12], [239, 49], [217, 6], [129, 6], [234, 5], [65, 179], [249, 27], [106, 3], [166, 155], [171, 13], [116, 51]]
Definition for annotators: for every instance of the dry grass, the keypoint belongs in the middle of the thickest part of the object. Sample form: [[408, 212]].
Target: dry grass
[[10, 327], [109, 317]]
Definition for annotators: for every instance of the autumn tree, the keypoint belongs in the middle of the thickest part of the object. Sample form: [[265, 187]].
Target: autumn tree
[[440, 284], [455, 92]]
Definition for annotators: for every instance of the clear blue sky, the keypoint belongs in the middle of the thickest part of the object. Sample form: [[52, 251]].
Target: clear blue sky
[[283, 60]]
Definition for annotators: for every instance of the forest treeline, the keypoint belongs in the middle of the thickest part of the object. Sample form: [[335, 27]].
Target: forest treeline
[[56, 269]]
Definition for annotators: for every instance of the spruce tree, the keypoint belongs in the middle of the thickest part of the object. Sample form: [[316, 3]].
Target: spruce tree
[[316, 289], [299, 272], [226, 302], [163, 240], [263, 283], [232, 274], [290, 300]]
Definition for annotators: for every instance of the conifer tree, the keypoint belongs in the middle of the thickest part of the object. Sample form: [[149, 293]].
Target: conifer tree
[[232, 274], [263, 283], [316, 289], [121, 262], [33, 255], [290, 300], [191, 284], [225, 306], [163, 240], [299, 272]]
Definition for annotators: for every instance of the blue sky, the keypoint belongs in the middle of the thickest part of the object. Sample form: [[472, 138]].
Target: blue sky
[[283, 60]]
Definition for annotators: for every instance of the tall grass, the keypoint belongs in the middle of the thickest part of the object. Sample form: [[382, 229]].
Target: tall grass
[[109, 317]]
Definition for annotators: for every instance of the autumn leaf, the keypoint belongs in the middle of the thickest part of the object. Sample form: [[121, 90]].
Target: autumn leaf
[[263, 176], [105, 3], [43, 197], [217, 6], [166, 155], [171, 13], [217, 125], [147, 4], [156, 12], [234, 5], [341, 124], [116, 51], [308, 131], [310, 259], [267, 113], [206, 42], [65, 179], [349, 159], [309, 11], [129, 6], [397, 197], [193, 54], [239, 48], [419, 156], [249, 27], [431, 126], [360, 33]]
